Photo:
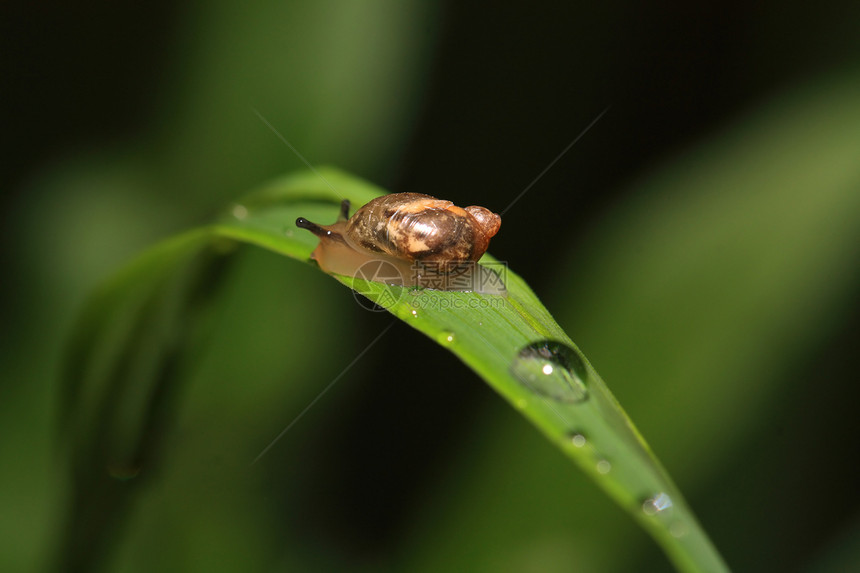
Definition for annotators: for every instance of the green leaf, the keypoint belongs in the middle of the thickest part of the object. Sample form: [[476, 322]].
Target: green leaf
[[132, 347]]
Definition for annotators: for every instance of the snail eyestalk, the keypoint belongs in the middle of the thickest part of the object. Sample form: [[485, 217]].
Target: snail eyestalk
[[317, 230], [344, 210]]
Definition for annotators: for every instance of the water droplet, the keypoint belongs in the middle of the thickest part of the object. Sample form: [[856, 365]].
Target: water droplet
[[415, 314], [656, 504], [445, 337], [603, 467], [678, 529], [552, 369], [578, 440], [239, 211]]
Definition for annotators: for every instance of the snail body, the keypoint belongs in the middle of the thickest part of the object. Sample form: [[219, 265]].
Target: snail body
[[418, 235]]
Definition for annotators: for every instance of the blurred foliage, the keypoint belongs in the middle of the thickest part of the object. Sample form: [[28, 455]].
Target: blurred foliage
[[716, 294]]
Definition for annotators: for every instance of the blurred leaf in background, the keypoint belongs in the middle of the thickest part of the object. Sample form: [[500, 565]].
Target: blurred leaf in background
[[340, 81], [715, 293]]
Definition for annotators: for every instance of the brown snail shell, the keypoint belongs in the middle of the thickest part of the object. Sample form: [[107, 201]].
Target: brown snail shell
[[411, 231]]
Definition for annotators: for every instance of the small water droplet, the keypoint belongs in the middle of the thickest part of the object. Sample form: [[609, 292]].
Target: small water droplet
[[481, 323], [603, 467], [552, 369], [445, 337], [656, 504], [415, 314], [239, 211], [578, 440], [678, 529]]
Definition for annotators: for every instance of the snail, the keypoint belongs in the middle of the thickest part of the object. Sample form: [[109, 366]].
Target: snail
[[420, 236]]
